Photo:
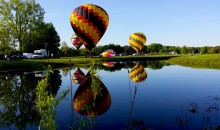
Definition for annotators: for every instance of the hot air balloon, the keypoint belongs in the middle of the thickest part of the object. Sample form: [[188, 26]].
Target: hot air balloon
[[89, 22], [137, 41], [91, 100], [138, 73], [76, 41], [78, 76], [108, 53]]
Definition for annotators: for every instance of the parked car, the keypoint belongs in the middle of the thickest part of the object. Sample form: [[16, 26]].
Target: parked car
[[136, 54], [17, 56], [28, 55]]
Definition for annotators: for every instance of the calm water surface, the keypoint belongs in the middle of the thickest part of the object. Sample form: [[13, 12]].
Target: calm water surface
[[170, 97]]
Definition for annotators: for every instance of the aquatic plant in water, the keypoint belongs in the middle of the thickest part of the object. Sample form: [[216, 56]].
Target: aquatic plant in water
[[46, 103]]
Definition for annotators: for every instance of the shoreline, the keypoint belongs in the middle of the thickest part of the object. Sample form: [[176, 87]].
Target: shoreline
[[211, 61]]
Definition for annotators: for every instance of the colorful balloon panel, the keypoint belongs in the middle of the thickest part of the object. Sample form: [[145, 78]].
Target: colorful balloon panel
[[78, 76], [76, 41], [108, 54], [138, 73], [89, 22], [91, 100], [137, 41]]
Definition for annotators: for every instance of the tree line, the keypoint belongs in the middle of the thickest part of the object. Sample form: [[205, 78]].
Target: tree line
[[154, 48]]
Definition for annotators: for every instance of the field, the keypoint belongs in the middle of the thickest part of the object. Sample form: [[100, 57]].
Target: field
[[211, 61]]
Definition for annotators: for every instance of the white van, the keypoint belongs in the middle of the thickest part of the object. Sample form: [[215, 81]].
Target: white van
[[42, 53]]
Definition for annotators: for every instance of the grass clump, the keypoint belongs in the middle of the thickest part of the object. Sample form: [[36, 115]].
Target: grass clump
[[46, 103]]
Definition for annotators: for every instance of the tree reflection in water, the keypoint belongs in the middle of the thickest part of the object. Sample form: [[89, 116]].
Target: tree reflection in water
[[17, 98]]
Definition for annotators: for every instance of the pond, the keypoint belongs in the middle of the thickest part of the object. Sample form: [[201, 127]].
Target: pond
[[122, 95]]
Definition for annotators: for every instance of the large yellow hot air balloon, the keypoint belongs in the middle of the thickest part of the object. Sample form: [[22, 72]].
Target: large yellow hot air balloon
[[89, 22], [76, 41], [91, 100], [137, 41], [138, 73]]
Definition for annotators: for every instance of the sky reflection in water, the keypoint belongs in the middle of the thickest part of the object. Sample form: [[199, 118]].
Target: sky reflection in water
[[170, 97], [173, 97]]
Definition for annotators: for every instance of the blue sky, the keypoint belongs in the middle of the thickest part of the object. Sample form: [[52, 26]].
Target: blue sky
[[169, 22]]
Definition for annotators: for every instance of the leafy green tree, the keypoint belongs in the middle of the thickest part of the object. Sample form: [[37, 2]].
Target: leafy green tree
[[204, 50], [64, 48], [5, 39], [128, 50], [98, 50], [154, 47], [21, 17], [183, 50], [44, 36]]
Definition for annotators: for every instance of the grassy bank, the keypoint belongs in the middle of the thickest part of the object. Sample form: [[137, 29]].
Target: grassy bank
[[195, 61], [73, 61], [211, 61]]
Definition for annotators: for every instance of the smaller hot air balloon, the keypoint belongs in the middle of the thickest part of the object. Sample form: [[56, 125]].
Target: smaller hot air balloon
[[76, 41], [138, 73], [137, 41], [78, 76]]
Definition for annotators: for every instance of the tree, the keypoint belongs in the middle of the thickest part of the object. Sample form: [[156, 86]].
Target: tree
[[183, 50], [5, 39], [128, 50], [21, 17], [64, 48], [154, 47], [204, 50], [44, 36]]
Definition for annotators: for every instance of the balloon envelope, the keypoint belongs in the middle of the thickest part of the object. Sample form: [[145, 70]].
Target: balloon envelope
[[91, 100], [89, 22], [137, 41], [138, 73], [108, 54], [76, 41]]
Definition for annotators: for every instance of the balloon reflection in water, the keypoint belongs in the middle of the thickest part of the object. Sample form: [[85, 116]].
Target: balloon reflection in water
[[108, 64], [78, 76], [138, 73], [92, 97]]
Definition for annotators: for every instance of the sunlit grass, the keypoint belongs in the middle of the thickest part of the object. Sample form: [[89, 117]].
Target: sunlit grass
[[197, 61]]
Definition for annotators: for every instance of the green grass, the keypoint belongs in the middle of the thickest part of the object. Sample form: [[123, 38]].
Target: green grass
[[66, 61], [211, 61], [195, 61]]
